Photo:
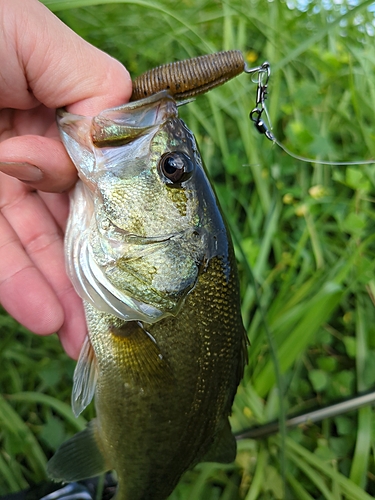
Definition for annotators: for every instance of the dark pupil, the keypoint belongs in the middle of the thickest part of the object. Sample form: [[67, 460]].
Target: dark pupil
[[171, 165], [173, 168]]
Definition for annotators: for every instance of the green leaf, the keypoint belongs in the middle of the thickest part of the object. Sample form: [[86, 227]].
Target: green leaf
[[318, 379], [350, 346], [356, 179], [354, 224], [274, 483], [53, 433], [345, 425]]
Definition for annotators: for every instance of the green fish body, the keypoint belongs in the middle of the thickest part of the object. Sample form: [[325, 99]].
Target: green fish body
[[150, 255]]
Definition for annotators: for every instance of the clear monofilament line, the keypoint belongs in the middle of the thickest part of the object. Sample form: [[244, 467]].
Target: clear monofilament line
[[320, 162], [267, 131]]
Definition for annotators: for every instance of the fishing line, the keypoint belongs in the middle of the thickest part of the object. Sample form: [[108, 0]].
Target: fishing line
[[321, 162], [262, 75]]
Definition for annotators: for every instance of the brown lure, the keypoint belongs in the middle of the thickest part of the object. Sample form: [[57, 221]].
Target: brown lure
[[190, 77]]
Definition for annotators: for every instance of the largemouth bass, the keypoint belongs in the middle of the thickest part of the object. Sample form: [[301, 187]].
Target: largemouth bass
[[150, 255]]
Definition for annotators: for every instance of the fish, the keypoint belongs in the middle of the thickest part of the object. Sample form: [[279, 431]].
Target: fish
[[151, 256]]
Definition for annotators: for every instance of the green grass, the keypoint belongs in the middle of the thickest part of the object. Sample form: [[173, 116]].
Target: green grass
[[304, 239]]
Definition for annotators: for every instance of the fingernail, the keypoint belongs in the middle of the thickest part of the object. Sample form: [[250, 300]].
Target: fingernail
[[22, 171]]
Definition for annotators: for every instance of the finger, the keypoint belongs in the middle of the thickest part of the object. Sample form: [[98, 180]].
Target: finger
[[42, 241], [74, 329], [26, 295], [36, 121], [58, 206], [24, 292], [53, 170], [61, 68]]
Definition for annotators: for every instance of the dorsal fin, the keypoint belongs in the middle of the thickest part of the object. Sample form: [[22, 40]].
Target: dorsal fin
[[84, 378]]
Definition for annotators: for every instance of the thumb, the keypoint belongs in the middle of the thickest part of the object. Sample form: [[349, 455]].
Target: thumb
[[46, 63], [58, 66]]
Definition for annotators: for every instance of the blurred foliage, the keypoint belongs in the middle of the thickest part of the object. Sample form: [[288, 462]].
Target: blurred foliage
[[303, 233]]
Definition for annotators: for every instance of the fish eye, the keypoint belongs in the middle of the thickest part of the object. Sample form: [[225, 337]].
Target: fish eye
[[176, 167]]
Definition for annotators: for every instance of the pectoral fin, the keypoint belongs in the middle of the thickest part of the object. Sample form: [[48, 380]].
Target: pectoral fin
[[78, 458], [84, 378], [143, 361], [224, 447]]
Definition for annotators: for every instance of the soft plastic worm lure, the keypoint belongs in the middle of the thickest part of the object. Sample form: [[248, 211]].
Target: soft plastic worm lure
[[181, 80], [191, 77]]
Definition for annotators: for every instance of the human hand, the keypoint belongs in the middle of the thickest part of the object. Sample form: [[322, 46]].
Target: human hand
[[44, 66]]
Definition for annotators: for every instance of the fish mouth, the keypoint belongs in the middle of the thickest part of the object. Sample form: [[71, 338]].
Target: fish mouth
[[136, 239], [128, 238]]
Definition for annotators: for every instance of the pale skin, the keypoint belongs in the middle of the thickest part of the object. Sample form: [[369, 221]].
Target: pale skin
[[44, 66]]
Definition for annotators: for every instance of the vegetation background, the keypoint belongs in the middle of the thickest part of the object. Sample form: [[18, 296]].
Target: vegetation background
[[303, 232]]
